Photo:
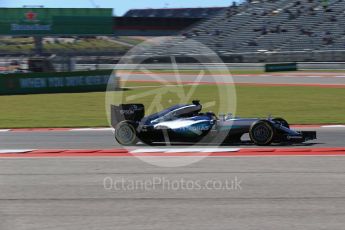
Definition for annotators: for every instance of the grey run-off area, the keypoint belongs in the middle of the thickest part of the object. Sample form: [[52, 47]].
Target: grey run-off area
[[273, 193], [286, 78]]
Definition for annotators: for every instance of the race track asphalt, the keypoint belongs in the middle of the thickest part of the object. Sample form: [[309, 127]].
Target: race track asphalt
[[290, 79], [327, 137], [79, 193], [282, 79]]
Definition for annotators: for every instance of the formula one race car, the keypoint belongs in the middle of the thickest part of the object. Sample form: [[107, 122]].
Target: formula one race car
[[186, 124]]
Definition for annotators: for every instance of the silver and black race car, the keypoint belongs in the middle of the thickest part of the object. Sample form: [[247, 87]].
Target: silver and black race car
[[186, 124]]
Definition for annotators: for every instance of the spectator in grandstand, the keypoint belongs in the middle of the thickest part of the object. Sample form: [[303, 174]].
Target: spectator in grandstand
[[264, 31], [333, 18], [217, 32], [328, 10], [311, 11], [231, 11], [306, 32], [301, 29], [196, 32], [327, 38], [291, 15], [252, 43], [219, 45]]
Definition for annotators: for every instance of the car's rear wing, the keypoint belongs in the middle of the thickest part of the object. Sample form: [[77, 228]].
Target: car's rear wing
[[130, 112]]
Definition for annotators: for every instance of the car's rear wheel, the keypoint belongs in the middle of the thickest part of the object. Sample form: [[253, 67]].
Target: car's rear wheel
[[262, 133], [281, 121], [125, 133]]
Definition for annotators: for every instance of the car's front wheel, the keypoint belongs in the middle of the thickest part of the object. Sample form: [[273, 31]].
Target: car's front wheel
[[282, 122], [262, 133], [126, 134]]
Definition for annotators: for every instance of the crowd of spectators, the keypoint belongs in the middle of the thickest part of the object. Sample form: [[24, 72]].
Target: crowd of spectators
[[295, 10], [308, 9]]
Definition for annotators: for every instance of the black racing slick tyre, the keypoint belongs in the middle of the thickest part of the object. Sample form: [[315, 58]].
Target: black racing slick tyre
[[126, 134], [262, 133], [281, 121]]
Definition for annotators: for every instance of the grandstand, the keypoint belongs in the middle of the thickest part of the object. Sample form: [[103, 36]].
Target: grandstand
[[254, 31], [175, 13], [270, 30]]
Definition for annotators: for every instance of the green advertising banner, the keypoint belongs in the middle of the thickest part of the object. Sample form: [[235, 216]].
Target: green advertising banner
[[280, 67], [61, 82], [55, 21]]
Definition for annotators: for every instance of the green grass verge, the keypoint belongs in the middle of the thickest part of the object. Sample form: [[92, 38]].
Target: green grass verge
[[299, 105], [131, 40], [52, 110]]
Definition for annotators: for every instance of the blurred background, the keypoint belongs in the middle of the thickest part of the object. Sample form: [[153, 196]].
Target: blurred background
[[73, 46], [43, 36]]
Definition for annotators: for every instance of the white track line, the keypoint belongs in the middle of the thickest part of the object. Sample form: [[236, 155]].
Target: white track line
[[4, 130], [213, 150], [16, 150], [184, 150], [148, 150], [333, 126]]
